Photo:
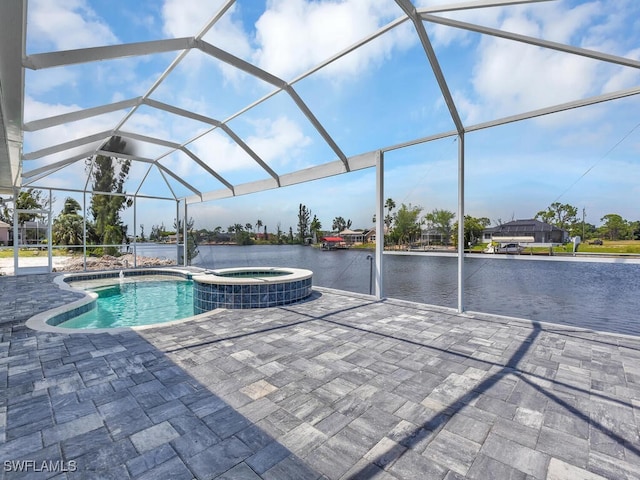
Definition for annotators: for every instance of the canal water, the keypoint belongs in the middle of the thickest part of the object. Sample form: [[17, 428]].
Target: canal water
[[603, 296]]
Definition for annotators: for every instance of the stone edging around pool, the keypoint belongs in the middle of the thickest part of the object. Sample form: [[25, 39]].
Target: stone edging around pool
[[40, 321], [250, 287]]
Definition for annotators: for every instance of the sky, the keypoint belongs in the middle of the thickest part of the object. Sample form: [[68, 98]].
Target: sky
[[378, 96]]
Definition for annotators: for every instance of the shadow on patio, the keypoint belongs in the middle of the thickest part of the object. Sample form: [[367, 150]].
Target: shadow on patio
[[340, 387]]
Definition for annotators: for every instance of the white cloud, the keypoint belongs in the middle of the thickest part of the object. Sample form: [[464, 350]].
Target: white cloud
[[66, 24], [185, 18], [624, 77], [295, 35], [34, 109], [510, 77], [278, 141]]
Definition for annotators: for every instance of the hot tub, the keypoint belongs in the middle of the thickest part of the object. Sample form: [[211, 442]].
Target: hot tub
[[250, 287]]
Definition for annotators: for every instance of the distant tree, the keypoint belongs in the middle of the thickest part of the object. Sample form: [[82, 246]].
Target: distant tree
[[291, 235], [389, 204], [589, 229], [5, 212], [248, 227], [407, 224], [315, 228], [634, 228], [304, 215], [561, 215], [339, 224], [109, 174], [142, 239], [473, 228], [192, 247], [259, 224], [157, 233], [279, 233], [30, 199], [441, 221], [615, 227], [68, 227]]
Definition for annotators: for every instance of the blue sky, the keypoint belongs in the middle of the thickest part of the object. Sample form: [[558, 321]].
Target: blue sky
[[378, 96]]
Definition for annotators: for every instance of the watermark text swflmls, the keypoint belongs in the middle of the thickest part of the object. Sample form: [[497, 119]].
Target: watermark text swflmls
[[58, 466]]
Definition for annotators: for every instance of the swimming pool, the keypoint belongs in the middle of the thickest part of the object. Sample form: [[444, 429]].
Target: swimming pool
[[141, 298], [135, 303], [117, 301]]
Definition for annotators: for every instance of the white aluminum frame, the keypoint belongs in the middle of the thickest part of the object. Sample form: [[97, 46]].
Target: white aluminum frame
[[14, 62]]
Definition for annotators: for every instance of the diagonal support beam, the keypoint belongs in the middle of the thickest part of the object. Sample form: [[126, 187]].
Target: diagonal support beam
[[79, 115], [250, 152], [147, 139], [96, 137], [412, 13], [607, 97], [561, 47], [239, 63], [54, 167], [218, 124], [475, 4], [178, 179], [318, 126], [40, 61], [209, 170], [180, 111]]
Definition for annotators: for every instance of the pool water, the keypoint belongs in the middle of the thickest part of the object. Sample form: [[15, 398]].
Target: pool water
[[129, 304]]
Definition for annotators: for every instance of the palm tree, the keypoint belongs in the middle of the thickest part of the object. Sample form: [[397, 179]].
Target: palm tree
[[259, 224], [315, 228], [67, 228], [389, 205]]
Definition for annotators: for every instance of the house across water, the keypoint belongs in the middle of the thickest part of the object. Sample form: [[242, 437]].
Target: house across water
[[529, 232]]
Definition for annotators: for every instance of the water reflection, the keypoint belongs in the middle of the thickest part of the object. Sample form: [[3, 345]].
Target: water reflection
[[602, 296]]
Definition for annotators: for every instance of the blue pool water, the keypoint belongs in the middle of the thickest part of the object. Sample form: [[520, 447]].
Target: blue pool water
[[137, 303]]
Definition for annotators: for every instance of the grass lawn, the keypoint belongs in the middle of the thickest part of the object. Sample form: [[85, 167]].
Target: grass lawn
[[612, 246], [608, 247], [32, 252]]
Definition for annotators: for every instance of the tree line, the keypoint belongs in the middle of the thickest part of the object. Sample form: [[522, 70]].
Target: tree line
[[403, 225]]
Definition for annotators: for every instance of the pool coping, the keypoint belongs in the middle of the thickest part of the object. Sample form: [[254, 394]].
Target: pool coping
[[214, 277], [39, 322]]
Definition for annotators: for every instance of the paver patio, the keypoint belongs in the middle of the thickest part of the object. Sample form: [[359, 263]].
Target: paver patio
[[340, 386]]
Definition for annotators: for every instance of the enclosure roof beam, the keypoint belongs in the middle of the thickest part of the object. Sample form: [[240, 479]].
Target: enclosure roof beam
[[277, 82], [475, 5], [110, 52], [123, 156], [180, 111], [239, 63], [147, 139], [561, 47], [57, 165], [217, 124], [165, 170], [318, 126], [61, 119], [411, 12], [96, 137], [250, 152], [556, 108], [208, 169], [115, 194]]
